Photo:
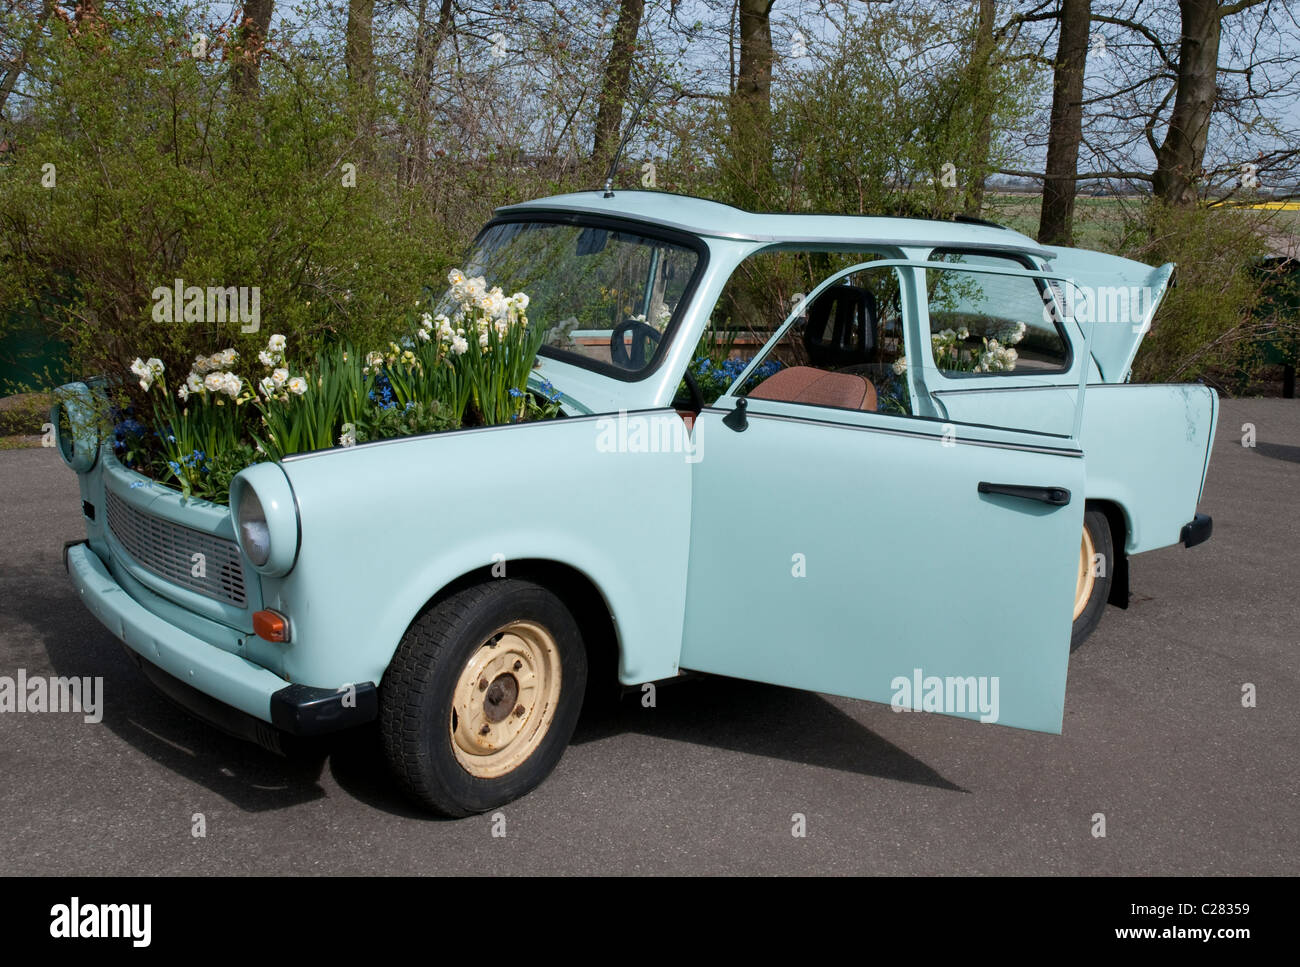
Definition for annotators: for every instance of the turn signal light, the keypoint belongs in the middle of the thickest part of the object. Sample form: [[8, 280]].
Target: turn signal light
[[271, 626]]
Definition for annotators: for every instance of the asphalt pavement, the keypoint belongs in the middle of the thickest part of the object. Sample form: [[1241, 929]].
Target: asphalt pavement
[[1156, 738]]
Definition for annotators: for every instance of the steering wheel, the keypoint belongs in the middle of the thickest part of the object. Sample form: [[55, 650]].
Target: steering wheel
[[645, 339]]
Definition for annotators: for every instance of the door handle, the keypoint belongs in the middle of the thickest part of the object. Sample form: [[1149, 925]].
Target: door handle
[[1057, 496]]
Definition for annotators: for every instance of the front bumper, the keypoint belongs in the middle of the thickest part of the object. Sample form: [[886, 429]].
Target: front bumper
[[230, 692]]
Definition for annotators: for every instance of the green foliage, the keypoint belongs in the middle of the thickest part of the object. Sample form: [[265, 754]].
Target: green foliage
[[399, 421], [854, 133], [335, 392], [24, 413], [159, 173], [1207, 317]]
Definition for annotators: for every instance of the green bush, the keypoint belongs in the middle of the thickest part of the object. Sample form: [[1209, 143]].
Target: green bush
[[137, 166], [1207, 316]]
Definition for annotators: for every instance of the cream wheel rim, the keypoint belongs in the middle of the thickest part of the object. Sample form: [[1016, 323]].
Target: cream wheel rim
[[1086, 579], [505, 700]]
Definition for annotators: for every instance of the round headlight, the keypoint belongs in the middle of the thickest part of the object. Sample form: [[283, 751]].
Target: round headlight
[[265, 515], [76, 434], [254, 534]]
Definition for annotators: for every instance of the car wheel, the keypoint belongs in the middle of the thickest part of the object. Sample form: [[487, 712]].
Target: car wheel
[[482, 696], [1092, 586]]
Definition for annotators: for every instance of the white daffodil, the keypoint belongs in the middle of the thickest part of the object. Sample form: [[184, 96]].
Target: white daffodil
[[297, 386], [280, 377], [229, 357], [155, 366], [194, 383], [266, 359], [349, 436], [276, 343], [459, 345], [214, 382], [183, 393]]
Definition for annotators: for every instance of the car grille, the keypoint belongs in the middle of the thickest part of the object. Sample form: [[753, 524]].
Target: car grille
[[168, 550]]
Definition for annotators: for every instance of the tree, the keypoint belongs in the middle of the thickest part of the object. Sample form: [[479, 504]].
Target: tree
[[428, 41], [1056, 220], [19, 60], [617, 74], [250, 39], [359, 50], [750, 113], [1181, 154], [982, 53]]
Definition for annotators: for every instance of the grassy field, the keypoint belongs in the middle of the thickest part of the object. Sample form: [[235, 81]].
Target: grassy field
[[1100, 223]]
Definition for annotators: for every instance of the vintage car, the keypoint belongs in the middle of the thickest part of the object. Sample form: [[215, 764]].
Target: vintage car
[[921, 480]]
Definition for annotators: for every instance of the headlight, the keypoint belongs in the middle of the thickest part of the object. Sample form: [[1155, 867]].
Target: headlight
[[75, 431], [265, 516], [254, 534]]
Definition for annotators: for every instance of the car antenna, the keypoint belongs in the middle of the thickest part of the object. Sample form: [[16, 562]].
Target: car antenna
[[631, 125]]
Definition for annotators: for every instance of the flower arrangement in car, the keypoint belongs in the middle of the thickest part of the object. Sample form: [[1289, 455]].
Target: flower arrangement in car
[[465, 362], [954, 349]]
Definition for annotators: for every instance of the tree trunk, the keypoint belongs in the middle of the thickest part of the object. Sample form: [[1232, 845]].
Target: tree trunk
[[751, 104], [1065, 133], [618, 72], [359, 54], [359, 62], [981, 57], [246, 55], [417, 112], [1179, 159]]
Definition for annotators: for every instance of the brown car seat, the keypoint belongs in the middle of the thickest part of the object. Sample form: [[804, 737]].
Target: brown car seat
[[803, 384]]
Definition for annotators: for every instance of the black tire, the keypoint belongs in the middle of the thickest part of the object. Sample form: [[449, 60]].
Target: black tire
[[416, 696], [1095, 522]]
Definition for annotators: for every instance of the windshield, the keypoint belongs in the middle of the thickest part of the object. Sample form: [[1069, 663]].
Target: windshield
[[608, 298]]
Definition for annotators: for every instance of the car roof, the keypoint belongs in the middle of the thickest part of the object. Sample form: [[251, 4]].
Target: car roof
[[701, 216]]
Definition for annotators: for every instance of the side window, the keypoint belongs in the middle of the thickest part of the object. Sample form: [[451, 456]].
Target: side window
[[756, 300], [982, 323], [845, 351]]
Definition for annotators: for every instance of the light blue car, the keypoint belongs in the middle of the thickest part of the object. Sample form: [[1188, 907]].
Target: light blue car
[[885, 458]]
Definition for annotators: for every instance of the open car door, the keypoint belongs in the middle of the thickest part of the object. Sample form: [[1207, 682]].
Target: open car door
[[848, 538]]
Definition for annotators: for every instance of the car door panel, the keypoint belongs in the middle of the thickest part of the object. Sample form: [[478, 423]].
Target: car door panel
[[843, 558]]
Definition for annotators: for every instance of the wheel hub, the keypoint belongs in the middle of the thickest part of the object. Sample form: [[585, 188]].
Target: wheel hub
[[499, 701], [505, 700]]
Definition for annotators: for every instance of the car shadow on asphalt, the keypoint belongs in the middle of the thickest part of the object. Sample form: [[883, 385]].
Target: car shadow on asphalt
[[245, 775], [738, 716], [765, 720], [1279, 451]]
